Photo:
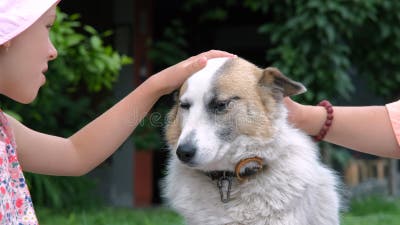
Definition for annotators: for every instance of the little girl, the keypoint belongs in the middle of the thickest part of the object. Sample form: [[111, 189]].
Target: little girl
[[25, 50]]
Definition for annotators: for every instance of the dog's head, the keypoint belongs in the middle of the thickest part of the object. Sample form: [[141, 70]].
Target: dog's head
[[226, 111]]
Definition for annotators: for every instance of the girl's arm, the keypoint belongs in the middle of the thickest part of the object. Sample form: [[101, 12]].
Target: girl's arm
[[87, 148], [367, 129]]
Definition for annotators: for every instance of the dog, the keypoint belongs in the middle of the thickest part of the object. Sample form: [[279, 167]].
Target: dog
[[234, 157]]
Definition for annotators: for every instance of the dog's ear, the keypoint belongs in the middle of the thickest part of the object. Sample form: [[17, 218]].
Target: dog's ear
[[272, 77], [172, 129], [175, 96], [171, 116]]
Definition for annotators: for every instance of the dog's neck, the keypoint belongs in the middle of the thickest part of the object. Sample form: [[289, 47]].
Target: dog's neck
[[244, 169]]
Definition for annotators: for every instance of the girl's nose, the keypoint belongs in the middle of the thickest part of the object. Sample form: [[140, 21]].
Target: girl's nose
[[52, 52]]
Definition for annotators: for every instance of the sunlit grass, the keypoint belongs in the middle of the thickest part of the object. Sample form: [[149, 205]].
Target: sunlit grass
[[373, 211], [370, 211], [110, 216]]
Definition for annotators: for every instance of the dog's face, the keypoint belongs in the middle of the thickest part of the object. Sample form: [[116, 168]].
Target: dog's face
[[227, 111]]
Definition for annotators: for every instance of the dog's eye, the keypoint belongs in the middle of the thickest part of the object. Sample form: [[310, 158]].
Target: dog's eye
[[220, 106], [184, 105]]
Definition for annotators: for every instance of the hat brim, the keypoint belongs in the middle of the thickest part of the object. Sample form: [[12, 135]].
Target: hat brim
[[17, 15]]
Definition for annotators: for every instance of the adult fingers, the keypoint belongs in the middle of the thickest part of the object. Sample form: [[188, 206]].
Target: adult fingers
[[294, 110]]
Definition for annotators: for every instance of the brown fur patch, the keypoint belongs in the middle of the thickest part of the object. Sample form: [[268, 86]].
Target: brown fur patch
[[183, 89], [241, 78], [173, 128]]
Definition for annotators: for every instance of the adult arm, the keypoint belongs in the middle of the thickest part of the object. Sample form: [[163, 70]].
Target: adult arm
[[366, 129]]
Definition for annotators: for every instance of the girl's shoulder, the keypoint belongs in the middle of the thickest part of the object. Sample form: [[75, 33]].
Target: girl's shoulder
[[6, 134]]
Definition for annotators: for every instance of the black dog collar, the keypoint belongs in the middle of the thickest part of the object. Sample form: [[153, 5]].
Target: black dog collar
[[244, 168]]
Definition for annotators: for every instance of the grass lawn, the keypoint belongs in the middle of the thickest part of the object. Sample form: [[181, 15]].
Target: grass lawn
[[372, 211], [110, 216]]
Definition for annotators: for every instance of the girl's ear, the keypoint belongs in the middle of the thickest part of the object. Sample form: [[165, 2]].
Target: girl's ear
[[272, 77]]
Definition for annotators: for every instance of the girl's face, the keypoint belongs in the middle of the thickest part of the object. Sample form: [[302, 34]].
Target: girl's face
[[24, 62]]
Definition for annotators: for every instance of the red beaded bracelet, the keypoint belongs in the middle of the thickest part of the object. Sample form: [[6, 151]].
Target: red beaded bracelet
[[328, 122]]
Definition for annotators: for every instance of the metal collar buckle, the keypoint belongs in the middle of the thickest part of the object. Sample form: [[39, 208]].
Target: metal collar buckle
[[224, 186]]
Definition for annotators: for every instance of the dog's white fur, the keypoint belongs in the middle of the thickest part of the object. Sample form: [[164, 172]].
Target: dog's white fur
[[295, 189]]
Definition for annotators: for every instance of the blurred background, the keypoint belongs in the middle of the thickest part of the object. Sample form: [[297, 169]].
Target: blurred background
[[344, 51]]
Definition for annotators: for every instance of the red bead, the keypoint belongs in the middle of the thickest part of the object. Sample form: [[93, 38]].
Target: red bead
[[328, 122]]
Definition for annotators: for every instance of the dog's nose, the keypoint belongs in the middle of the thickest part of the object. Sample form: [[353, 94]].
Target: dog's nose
[[186, 152]]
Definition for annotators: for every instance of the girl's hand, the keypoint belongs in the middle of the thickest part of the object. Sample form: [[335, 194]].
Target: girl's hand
[[173, 77]]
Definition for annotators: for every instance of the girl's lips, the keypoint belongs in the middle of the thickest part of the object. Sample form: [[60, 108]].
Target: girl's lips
[[43, 74], [43, 79]]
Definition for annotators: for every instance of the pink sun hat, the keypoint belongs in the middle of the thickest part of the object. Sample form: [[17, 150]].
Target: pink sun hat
[[18, 15]]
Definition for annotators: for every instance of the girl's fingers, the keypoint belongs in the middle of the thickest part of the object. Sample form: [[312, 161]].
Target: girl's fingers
[[197, 62], [186, 68], [217, 53]]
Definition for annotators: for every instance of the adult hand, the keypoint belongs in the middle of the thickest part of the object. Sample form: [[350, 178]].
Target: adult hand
[[294, 111]]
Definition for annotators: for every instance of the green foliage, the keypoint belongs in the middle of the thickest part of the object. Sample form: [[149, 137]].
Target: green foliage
[[172, 47], [307, 46], [323, 43], [149, 135], [101, 63], [376, 46], [78, 88], [335, 156], [62, 192]]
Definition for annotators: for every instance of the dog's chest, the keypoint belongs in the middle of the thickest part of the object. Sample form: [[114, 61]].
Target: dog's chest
[[250, 201]]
